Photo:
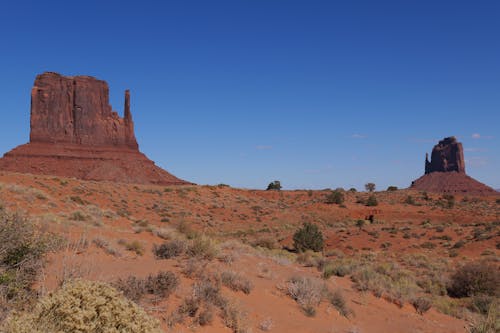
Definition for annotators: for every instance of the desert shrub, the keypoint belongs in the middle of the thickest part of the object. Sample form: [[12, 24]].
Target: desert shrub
[[78, 216], [161, 285], [335, 197], [336, 269], [309, 237], [372, 201], [84, 307], [481, 303], [307, 292], [338, 301], [274, 186], [370, 187], [22, 251], [203, 247], [236, 282], [233, 317], [392, 188], [209, 291], [170, 249], [409, 200], [475, 278], [421, 305]]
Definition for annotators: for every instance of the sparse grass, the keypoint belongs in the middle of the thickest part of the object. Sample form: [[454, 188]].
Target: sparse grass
[[338, 301], [104, 244], [236, 282], [133, 246]]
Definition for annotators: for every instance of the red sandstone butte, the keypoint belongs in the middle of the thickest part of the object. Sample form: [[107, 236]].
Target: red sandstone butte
[[445, 173], [75, 133]]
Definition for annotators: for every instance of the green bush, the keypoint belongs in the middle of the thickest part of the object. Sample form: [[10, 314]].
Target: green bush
[[392, 188], [84, 307], [309, 237], [275, 185], [372, 201]]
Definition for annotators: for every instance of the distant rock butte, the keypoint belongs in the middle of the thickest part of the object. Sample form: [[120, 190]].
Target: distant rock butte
[[445, 172], [447, 155], [75, 133]]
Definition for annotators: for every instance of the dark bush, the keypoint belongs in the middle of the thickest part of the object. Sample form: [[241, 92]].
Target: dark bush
[[169, 249], [370, 187], [309, 237], [475, 278], [392, 188], [335, 197]]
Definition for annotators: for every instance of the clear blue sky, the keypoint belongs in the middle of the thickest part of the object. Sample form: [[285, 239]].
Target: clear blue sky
[[316, 94]]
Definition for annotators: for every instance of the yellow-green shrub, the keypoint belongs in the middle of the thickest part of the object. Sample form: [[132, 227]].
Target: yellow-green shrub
[[83, 307]]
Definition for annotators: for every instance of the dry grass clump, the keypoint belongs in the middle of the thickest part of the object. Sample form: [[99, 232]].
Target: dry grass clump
[[421, 304], [207, 299], [161, 285], [338, 301], [490, 323], [236, 282], [84, 307], [203, 247], [307, 292], [133, 246], [104, 244]]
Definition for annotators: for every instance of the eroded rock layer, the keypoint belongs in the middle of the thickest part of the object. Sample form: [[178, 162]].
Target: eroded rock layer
[[75, 133]]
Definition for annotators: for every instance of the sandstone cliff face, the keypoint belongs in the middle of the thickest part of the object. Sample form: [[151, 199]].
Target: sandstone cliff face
[[76, 110], [75, 133], [447, 155], [445, 173]]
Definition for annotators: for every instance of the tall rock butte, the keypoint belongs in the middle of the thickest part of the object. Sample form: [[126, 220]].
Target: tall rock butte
[[75, 133], [445, 172]]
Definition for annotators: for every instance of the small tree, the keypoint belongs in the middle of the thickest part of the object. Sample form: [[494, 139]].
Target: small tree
[[372, 201], [335, 197], [275, 185], [370, 187], [392, 188], [309, 237]]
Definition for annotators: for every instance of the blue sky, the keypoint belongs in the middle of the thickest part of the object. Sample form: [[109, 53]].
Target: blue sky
[[316, 94]]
